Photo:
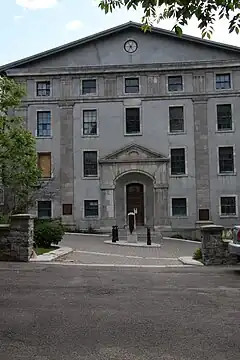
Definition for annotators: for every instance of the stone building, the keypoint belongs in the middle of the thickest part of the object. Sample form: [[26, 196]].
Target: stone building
[[130, 120]]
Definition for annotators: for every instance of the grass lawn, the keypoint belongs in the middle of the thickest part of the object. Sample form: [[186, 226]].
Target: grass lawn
[[40, 251]]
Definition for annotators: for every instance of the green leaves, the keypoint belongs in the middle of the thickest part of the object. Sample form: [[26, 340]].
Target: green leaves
[[206, 12], [18, 159]]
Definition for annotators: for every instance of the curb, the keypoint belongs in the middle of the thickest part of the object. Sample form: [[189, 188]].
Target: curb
[[119, 266], [188, 260], [138, 244], [83, 234], [53, 255], [184, 240]]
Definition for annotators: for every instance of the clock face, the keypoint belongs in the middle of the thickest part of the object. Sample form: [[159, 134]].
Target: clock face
[[130, 46]]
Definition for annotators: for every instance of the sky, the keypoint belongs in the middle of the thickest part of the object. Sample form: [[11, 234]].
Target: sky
[[31, 26]]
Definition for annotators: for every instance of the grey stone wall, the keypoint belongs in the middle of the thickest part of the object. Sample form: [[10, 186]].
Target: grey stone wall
[[16, 239], [214, 248]]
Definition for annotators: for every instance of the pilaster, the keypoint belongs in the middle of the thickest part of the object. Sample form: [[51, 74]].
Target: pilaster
[[201, 154]]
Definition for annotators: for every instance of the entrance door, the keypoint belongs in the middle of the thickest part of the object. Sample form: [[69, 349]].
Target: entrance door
[[135, 200]]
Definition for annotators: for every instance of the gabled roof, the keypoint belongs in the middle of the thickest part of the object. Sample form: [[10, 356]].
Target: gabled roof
[[112, 31]]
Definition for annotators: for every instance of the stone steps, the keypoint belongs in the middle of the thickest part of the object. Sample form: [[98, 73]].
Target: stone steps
[[141, 234]]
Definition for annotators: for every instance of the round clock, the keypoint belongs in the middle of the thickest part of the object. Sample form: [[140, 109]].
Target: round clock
[[130, 46]]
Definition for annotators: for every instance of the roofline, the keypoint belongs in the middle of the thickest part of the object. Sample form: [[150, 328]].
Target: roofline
[[111, 31]]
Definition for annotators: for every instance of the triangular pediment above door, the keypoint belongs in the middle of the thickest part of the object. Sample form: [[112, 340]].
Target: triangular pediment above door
[[133, 153]]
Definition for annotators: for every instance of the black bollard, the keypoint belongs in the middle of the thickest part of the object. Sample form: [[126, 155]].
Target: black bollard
[[149, 241], [113, 234], [117, 238], [131, 223]]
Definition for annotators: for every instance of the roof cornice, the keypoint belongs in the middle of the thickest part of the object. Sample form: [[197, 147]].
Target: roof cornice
[[119, 69]]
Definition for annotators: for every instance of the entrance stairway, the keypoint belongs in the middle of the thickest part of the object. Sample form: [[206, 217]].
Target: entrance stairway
[[141, 234]]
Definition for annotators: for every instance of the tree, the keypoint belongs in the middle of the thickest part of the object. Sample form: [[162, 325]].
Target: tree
[[206, 12], [19, 171]]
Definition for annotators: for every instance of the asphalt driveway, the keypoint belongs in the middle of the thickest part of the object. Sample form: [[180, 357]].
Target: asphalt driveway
[[93, 250], [68, 312]]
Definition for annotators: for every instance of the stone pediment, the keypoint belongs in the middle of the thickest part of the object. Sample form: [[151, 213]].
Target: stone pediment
[[134, 153]]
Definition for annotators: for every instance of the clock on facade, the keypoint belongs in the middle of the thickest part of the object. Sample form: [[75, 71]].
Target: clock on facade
[[130, 46]]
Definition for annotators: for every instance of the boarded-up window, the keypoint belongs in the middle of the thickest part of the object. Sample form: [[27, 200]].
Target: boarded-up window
[[44, 164], [67, 209]]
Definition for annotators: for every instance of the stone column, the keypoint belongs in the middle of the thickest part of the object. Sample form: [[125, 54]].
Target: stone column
[[17, 242], [201, 154], [214, 249], [66, 153], [161, 216]]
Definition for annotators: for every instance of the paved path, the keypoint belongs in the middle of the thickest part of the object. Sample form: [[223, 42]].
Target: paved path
[[52, 312], [93, 250]]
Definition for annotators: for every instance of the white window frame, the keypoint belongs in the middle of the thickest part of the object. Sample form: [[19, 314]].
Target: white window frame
[[230, 215], [186, 161], [91, 94], [43, 137], [233, 122], [234, 161], [223, 73], [125, 120], [171, 208], [92, 217], [35, 88], [184, 122], [183, 84], [52, 172], [90, 177], [52, 212], [82, 122], [131, 77]]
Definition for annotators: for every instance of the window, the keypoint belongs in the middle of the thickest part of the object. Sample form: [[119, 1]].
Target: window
[[91, 208], [43, 88], [44, 124], [224, 117], [132, 120], [44, 164], [228, 206], [67, 209], [226, 159], [44, 209], [89, 122], [223, 81], [90, 166], [176, 119], [179, 207], [203, 214], [175, 83], [131, 85], [89, 86], [178, 161]]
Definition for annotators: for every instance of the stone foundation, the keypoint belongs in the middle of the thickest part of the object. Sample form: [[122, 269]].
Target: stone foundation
[[16, 239]]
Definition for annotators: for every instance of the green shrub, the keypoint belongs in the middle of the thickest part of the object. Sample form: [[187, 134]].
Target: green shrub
[[177, 236], [47, 232], [197, 254], [4, 219]]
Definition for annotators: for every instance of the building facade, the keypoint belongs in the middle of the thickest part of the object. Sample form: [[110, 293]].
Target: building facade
[[129, 120]]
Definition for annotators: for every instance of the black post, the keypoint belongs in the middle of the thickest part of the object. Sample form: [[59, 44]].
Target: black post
[[149, 241], [131, 222], [117, 238], [113, 234]]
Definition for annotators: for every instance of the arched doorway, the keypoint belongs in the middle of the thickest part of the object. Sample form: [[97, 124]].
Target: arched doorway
[[135, 200]]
